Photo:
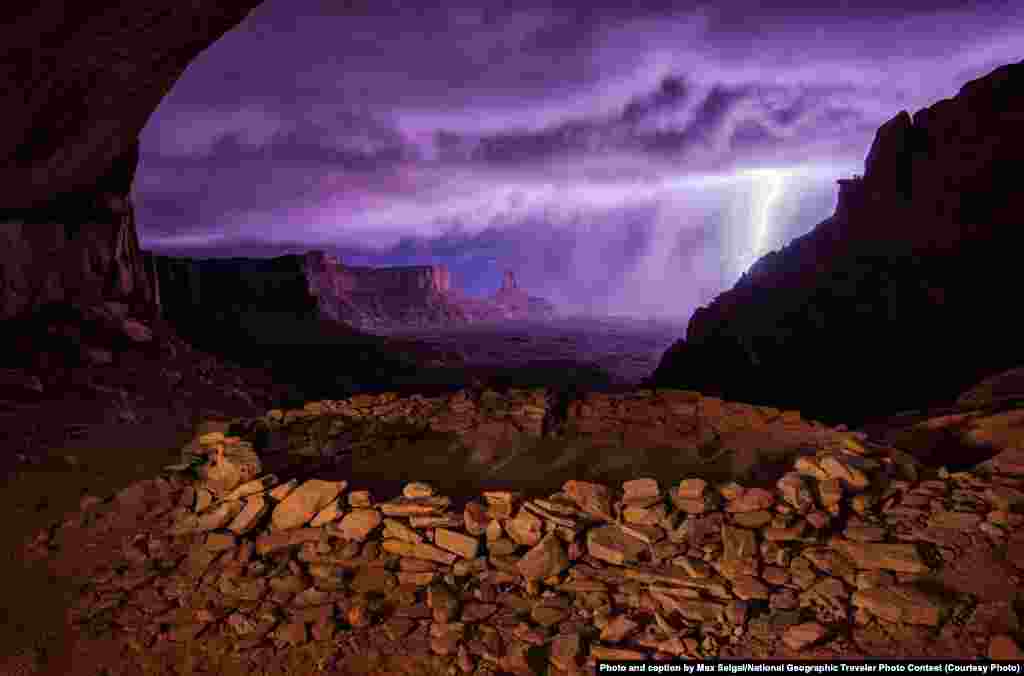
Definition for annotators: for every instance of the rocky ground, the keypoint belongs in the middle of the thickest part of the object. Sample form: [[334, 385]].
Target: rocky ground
[[96, 368], [278, 544]]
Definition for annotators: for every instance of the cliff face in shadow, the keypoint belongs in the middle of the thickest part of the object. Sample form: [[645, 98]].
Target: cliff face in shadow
[[317, 286], [204, 298], [271, 295], [81, 80], [78, 249], [281, 314], [904, 296]]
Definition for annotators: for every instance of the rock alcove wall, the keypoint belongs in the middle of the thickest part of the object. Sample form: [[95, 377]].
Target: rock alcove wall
[[81, 80]]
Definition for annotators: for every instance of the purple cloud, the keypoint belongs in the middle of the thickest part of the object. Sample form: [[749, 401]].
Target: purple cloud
[[626, 160]]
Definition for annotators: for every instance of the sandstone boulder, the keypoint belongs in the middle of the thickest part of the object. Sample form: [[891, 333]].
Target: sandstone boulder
[[801, 636], [303, 504], [900, 604], [229, 466], [591, 498], [358, 524], [545, 560], [610, 543]]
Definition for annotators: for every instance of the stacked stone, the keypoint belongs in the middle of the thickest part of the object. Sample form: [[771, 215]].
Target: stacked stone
[[587, 573], [673, 418], [489, 422], [484, 423]]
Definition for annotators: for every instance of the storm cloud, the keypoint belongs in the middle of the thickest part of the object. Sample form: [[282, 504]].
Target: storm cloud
[[632, 160]]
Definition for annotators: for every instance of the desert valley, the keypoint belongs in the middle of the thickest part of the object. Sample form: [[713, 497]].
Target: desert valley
[[300, 463]]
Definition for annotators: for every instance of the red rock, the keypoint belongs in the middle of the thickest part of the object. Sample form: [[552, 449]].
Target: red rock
[[592, 498], [640, 488], [476, 518], [818, 520], [546, 559], [526, 528], [476, 612], [691, 489], [752, 500], [900, 604], [801, 636], [1003, 647], [566, 650], [1015, 550], [265, 544], [54, 167]]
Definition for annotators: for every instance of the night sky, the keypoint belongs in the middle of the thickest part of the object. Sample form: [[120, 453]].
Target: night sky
[[629, 161]]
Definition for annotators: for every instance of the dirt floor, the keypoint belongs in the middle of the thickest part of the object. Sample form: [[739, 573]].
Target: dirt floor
[[33, 635], [36, 635], [94, 430], [626, 350], [76, 459]]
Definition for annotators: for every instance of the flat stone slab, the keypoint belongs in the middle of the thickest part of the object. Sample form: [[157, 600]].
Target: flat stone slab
[[358, 524], [640, 488], [466, 546], [230, 466], [547, 559], [525, 529], [420, 550], [393, 528], [414, 506], [900, 604], [801, 636], [592, 498], [256, 507], [303, 504], [332, 512], [259, 485], [901, 558], [609, 543]]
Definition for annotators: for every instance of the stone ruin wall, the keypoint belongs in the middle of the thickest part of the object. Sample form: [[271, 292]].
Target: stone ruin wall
[[840, 549], [488, 420]]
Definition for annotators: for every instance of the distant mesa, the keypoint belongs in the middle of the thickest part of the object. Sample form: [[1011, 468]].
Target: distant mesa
[[382, 298], [318, 285]]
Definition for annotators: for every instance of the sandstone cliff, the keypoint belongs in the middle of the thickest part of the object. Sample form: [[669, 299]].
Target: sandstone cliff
[[900, 299], [197, 294], [81, 249], [381, 298], [317, 286], [314, 286]]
